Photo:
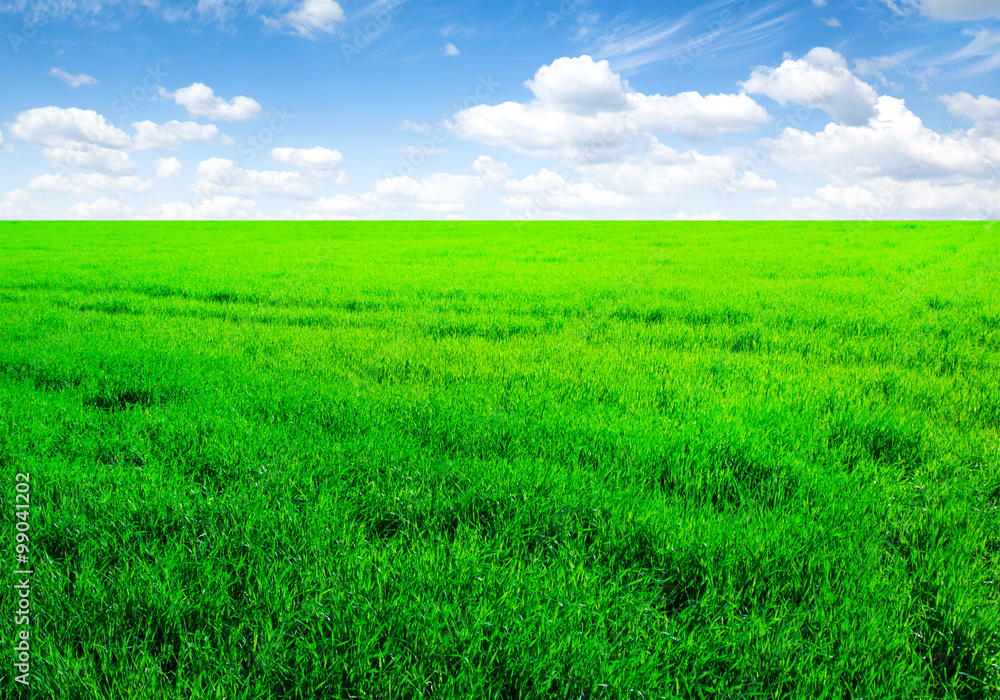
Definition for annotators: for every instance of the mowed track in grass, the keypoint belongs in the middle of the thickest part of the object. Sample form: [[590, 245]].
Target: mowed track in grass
[[487, 460]]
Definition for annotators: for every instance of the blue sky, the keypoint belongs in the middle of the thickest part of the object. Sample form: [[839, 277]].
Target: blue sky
[[452, 109]]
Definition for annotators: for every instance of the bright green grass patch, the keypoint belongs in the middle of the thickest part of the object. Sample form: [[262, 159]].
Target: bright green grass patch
[[505, 461]]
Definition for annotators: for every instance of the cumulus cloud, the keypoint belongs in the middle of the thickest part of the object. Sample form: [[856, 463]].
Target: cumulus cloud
[[821, 79], [60, 128], [583, 111], [666, 178], [832, 22], [543, 132], [491, 172], [71, 79], [171, 135], [983, 111], [439, 193], [451, 50], [103, 208], [548, 194], [896, 143], [313, 17], [5, 147], [80, 184], [89, 157], [15, 204], [317, 161], [201, 101], [895, 166], [346, 206], [793, 208], [442, 194], [80, 139], [218, 208], [887, 197], [651, 186], [168, 167], [579, 86], [219, 176], [696, 115]]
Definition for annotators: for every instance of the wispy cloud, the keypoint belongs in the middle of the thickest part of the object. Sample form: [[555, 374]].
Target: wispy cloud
[[381, 7], [724, 26], [310, 19], [984, 50], [71, 79], [407, 125]]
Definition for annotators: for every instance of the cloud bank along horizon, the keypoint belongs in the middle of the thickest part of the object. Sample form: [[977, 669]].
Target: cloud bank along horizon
[[562, 109]]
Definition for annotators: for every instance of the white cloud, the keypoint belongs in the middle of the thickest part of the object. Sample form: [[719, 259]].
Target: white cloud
[[62, 128], [586, 115], [345, 206], [89, 157], [665, 178], [103, 208], [83, 139], [821, 80], [896, 143], [984, 50], [14, 204], [887, 197], [957, 10], [543, 132], [219, 176], [171, 135], [984, 111], [819, 3], [113, 14], [719, 27], [548, 194], [310, 19], [200, 101], [579, 86], [695, 115], [168, 167], [70, 79], [584, 112], [793, 208], [5, 147], [91, 183], [219, 208], [978, 109], [832, 22], [713, 216], [318, 161], [491, 172], [653, 185], [407, 125], [451, 50], [439, 193]]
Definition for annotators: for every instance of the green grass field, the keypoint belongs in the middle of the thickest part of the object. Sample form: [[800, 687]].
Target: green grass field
[[428, 460]]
